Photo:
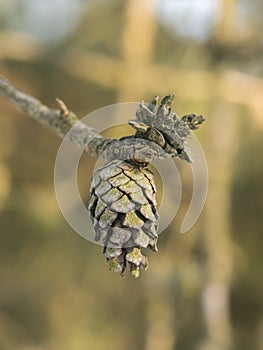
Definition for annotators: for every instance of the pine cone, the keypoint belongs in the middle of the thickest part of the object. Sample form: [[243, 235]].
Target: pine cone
[[122, 201], [123, 211]]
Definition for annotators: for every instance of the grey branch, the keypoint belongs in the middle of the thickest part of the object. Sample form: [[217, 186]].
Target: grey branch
[[66, 124], [55, 119]]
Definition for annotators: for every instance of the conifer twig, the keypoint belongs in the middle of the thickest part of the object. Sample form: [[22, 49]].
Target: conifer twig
[[62, 120]]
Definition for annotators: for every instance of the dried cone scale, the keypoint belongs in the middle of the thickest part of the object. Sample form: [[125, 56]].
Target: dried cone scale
[[122, 203]]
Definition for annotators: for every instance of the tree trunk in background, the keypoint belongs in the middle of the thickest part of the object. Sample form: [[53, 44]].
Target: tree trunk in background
[[227, 24], [217, 235], [138, 42]]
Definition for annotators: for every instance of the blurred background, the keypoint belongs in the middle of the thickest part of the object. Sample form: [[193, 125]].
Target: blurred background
[[203, 290]]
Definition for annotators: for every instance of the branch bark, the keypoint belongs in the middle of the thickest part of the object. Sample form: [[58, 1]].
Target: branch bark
[[65, 123], [56, 120]]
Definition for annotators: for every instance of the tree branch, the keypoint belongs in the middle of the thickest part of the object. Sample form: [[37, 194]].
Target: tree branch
[[56, 120], [66, 124]]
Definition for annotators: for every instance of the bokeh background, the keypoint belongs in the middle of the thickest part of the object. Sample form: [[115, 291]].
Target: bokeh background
[[203, 290]]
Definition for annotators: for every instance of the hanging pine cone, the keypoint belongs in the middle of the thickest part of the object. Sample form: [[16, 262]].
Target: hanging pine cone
[[123, 211], [122, 201]]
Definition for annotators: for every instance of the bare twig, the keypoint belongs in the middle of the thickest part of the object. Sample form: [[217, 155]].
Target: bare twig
[[55, 119], [66, 124]]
